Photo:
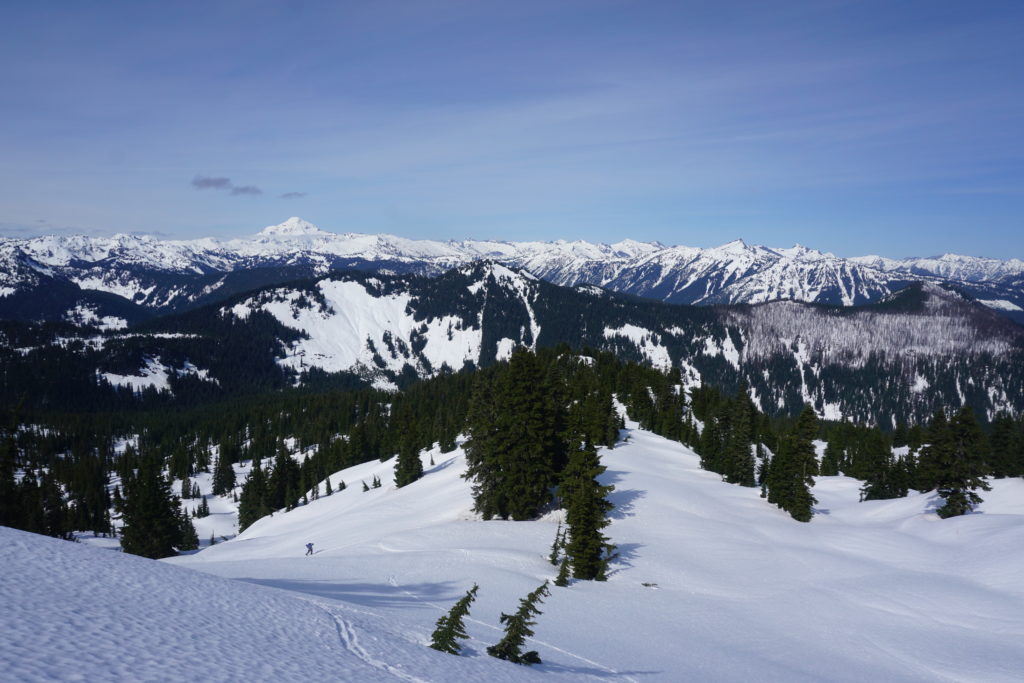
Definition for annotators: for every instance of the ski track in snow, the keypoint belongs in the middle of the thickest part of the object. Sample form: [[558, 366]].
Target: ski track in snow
[[349, 639]]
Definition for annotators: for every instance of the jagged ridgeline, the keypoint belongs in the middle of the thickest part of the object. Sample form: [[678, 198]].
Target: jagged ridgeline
[[112, 281], [895, 361]]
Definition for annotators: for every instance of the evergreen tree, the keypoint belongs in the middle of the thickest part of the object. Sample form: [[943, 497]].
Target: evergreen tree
[[450, 627], [804, 463], [223, 474], [482, 466], [152, 525], [556, 546], [883, 480], [55, 513], [283, 484], [791, 472], [10, 497], [518, 629], [1005, 448], [585, 513], [515, 451], [936, 454], [964, 471], [738, 459], [409, 467], [564, 569], [252, 505], [831, 461], [189, 539]]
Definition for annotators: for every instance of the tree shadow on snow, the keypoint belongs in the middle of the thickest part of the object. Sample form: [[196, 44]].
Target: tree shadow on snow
[[624, 501], [591, 671], [625, 553], [369, 594], [439, 466]]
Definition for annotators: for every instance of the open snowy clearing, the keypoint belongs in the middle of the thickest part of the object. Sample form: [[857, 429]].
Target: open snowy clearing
[[712, 584]]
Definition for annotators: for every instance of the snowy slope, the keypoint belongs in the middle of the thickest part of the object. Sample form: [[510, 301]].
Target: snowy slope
[[735, 590], [72, 613], [713, 583]]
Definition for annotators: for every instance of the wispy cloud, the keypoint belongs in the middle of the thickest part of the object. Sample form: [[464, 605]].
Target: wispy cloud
[[207, 183], [293, 195], [219, 183]]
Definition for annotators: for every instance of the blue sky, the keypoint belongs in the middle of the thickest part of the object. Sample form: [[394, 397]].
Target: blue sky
[[854, 127]]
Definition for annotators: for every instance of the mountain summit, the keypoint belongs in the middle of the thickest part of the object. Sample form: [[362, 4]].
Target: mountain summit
[[292, 226]]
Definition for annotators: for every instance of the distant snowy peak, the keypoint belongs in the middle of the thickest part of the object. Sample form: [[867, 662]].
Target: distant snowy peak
[[948, 266], [173, 275], [292, 226]]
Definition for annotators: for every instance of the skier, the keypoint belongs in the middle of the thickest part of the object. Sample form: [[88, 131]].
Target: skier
[[309, 548]]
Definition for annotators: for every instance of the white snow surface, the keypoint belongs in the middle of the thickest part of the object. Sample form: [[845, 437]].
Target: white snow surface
[[155, 374], [350, 329], [1000, 304], [712, 584]]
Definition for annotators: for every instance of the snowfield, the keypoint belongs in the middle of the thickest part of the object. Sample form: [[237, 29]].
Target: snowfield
[[712, 584]]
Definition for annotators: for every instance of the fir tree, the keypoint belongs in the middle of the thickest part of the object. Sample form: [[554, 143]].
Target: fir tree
[[564, 569], [936, 454], [556, 546], [738, 460], [152, 525], [188, 538], [1005, 448], [964, 471], [252, 504], [791, 472], [518, 629], [804, 463], [10, 503], [831, 461], [223, 474], [365, 487], [408, 467], [515, 450], [585, 514], [450, 627], [883, 480]]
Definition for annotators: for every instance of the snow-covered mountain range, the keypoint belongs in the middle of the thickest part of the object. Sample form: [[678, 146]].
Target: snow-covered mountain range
[[155, 275]]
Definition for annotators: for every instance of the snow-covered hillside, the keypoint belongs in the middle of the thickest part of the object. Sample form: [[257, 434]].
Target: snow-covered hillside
[[712, 584]]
